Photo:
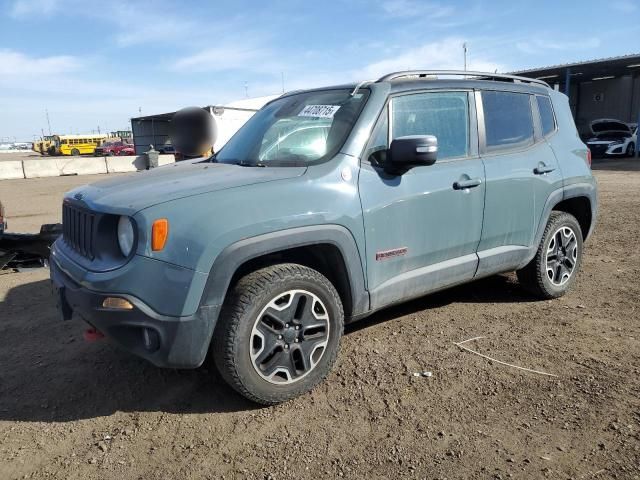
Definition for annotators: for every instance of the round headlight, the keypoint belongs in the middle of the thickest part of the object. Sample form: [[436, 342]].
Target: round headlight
[[125, 235]]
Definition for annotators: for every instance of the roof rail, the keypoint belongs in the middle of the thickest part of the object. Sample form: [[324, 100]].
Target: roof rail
[[462, 73]]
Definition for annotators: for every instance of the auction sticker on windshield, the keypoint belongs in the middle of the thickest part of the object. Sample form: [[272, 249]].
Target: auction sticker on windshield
[[319, 111]]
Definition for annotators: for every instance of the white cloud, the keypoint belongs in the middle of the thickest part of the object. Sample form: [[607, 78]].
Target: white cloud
[[136, 24], [446, 54], [416, 8], [14, 63], [540, 46], [222, 58], [625, 6], [23, 8]]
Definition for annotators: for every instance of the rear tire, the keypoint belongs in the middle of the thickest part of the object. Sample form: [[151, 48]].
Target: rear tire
[[75, 152], [554, 269], [278, 333]]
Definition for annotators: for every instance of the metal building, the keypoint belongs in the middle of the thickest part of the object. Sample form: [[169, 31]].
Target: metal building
[[602, 88]]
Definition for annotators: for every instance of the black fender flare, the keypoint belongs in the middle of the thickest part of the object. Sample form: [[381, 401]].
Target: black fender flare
[[233, 256], [574, 190]]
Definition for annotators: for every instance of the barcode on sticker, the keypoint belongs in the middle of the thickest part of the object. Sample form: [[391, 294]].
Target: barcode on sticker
[[319, 111]]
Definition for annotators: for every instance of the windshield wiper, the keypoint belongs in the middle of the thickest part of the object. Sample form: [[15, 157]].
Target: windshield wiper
[[245, 163]]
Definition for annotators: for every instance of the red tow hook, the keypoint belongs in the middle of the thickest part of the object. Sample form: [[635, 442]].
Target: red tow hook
[[92, 335]]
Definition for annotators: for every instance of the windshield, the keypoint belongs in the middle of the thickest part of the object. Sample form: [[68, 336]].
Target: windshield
[[297, 130]]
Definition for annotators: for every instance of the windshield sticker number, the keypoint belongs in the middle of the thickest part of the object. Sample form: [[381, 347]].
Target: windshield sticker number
[[319, 111]]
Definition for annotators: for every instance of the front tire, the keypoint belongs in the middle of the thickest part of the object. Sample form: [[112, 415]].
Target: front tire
[[278, 333], [554, 269], [75, 152]]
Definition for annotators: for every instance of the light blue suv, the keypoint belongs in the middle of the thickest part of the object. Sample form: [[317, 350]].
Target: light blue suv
[[328, 205]]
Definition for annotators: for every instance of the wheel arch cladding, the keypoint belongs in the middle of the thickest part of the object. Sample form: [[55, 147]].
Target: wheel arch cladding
[[580, 208], [329, 249]]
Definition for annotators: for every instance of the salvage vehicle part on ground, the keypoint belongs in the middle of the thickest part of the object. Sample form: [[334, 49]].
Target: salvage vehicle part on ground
[[26, 249]]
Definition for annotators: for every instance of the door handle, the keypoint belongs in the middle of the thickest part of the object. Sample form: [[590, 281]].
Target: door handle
[[464, 184], [541, 170]]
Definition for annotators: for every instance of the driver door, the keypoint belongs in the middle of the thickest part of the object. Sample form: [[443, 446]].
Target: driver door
[[423, 227]]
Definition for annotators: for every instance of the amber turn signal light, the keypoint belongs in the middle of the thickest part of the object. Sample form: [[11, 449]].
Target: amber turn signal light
[[159, 234]]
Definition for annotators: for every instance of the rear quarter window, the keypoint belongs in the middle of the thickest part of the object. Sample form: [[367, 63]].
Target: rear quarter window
[[547, 119], [507, 119]]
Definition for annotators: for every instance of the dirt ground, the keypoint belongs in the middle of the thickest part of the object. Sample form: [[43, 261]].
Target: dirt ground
[[26, 155], [70, 409]]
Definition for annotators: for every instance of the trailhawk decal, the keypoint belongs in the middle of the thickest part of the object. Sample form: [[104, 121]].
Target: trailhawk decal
[[394, 252]]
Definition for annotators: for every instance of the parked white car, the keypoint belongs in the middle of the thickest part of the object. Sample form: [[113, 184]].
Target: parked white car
[[611, 138]]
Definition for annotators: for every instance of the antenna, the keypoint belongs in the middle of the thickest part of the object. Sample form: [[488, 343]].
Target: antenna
[[464, 51]]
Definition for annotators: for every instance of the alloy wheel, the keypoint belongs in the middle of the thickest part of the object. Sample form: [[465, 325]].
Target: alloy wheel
[[289, 337], [562, 256]]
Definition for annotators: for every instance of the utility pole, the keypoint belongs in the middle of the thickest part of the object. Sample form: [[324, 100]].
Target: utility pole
[[46, 110], [246, 89], [282, 77], [464, 50]]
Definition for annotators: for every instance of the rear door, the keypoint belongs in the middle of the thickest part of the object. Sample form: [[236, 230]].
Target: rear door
[[423, 227], [521, 171]]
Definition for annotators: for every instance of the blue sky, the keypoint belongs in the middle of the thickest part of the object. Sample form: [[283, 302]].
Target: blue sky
[[96, 63]]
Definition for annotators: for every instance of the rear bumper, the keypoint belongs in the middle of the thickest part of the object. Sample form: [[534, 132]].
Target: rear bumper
[[165, 341]]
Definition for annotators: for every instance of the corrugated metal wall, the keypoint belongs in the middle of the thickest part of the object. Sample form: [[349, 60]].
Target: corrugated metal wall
[[149, 131], [617, 98]]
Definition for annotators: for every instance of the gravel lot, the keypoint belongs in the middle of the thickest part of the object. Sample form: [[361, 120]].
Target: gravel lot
[[26, 155], [70, 409]]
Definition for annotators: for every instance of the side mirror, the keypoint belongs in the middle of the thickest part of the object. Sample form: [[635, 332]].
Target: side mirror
[[413, 151]]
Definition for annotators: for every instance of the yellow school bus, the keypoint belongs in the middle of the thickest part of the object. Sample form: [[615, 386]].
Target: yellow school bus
[[77, 144], [43, 145]]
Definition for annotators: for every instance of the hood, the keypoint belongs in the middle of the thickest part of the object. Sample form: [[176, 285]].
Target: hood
[[607, 125], [609, 137], [132, 193]]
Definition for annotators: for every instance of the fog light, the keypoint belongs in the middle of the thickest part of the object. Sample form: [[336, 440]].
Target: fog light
[[151, 339], [116, 303]]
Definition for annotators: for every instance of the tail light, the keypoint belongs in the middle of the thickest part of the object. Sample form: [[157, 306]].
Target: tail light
[[588, 159]]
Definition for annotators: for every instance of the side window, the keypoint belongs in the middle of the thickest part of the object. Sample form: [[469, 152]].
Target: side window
[[547, 119], [443, 114], [507, 120]]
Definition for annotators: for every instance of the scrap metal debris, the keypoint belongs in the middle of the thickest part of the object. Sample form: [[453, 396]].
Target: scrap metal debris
[[20, 250]]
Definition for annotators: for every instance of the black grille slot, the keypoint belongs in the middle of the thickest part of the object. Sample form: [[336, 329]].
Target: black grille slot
[[77, 230]]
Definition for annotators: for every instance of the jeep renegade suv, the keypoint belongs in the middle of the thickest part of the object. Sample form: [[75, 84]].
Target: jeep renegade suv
[[328, 205]]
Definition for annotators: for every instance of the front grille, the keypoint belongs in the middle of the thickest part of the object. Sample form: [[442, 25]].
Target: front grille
[[598, 148], [77, 230]]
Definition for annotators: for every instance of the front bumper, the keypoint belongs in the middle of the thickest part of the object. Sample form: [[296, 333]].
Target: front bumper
[[165, 341], [605, 150]]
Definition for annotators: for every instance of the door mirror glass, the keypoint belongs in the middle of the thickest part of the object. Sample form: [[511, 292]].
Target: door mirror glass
[[412, 151]]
